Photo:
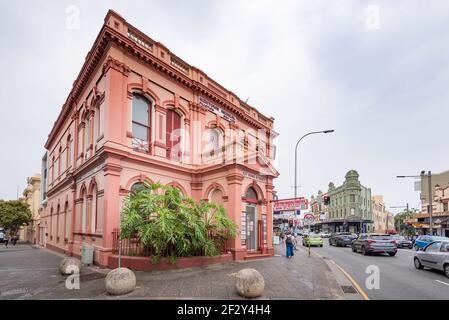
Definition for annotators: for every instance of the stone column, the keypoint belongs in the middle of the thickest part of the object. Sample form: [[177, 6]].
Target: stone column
[[234, 210], [111, 205], [269, 211]]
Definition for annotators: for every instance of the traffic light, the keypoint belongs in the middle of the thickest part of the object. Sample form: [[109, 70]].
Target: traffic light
[[326, 200]]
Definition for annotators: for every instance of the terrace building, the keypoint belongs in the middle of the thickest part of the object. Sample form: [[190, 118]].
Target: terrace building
[[138, 112]]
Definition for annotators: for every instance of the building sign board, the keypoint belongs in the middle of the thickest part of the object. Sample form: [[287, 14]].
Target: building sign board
[[291, 204], [254, 176], [217, 110]]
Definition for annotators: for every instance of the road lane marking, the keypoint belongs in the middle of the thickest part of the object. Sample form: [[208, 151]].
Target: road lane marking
[[354, 283], [442, 282], [351, 279]]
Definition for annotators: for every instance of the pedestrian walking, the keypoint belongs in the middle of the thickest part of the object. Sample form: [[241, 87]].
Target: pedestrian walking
[[14, 240], [289, 241], [282, 236], [6, 239]]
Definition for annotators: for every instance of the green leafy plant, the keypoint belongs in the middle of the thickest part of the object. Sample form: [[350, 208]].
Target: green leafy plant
[[14, 214], [173, 225]]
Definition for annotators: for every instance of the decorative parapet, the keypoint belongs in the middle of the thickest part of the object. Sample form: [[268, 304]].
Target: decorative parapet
[[140, 39], [178, 64]]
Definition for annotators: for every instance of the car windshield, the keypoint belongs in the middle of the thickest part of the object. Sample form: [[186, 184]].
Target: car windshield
[[380, 237], [345, 233], [399, 237], [433, 238], [314, 235]]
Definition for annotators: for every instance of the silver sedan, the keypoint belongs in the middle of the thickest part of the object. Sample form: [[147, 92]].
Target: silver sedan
[[435, 256]]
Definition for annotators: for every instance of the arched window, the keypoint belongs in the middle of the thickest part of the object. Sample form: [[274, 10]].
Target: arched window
[[136, 187], [214, 139], [68, 152], [94, 210], [59, 160], [57, 223], [216, 196], [173, 135], [84, 210], [141, 120], [87, 132], [51, 224], [251, 194], [66, 212], [53, 169]]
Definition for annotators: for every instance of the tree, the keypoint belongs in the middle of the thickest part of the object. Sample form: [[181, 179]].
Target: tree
[[14, 214], [399, 221], [174, 225]]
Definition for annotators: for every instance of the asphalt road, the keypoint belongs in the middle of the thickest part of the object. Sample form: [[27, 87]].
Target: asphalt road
[[398, 277]]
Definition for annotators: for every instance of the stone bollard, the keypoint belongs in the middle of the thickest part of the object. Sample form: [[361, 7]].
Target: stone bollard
[[249, 283], [120, 281], [68, 265]]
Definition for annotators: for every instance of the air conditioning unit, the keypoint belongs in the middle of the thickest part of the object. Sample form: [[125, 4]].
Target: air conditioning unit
[[87, 254]]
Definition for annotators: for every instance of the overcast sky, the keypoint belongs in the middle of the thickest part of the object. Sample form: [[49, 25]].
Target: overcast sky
[[375, 71]]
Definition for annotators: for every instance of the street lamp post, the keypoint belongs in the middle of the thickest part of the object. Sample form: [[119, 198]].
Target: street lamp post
[[399, 207], [296, 156]]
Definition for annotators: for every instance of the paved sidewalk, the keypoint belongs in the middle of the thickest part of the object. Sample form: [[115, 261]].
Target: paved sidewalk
[[27, 272]]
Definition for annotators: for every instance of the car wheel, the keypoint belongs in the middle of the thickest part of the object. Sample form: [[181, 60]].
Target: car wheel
[[418, 264], [391, 254], [446, 270], [364, 252], [354, 249]]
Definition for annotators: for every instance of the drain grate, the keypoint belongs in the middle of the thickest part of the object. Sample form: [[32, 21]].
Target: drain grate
[[348, 289]]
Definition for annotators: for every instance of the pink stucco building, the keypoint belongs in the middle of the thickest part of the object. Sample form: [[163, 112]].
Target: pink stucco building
[[138, 112]]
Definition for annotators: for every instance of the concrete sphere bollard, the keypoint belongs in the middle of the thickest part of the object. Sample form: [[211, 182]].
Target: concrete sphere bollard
[[69, 265], [120, 281], [249, 283]]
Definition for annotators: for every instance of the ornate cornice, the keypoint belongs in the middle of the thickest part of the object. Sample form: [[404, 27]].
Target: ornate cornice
[[112, 63]]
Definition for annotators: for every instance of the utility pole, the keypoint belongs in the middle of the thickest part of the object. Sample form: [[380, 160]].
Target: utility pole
[[429, 178]]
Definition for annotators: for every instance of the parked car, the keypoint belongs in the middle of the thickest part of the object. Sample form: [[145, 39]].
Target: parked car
[[435, 256], [312, 239], [325, 234], [422, 241], [339, 239], [375, 243], [402, 242], [2, 235]]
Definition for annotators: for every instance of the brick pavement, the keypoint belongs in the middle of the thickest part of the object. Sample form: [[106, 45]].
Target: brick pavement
[[27, 272]]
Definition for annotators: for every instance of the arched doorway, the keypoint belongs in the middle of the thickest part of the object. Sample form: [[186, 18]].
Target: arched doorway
[[251, 219]]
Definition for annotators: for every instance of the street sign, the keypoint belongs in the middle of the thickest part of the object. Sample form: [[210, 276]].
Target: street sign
[[309, 218]]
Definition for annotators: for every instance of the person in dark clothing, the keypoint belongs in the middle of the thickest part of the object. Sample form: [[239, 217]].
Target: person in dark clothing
[[6, 239], [289, 244]]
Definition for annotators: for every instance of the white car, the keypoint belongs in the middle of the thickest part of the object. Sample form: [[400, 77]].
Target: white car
[[434, 256], [325, 234]]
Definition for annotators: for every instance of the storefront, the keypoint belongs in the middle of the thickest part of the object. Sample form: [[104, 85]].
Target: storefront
[[353, 226]]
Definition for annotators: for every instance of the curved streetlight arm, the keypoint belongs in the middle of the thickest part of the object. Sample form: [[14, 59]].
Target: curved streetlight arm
[[296, 154]]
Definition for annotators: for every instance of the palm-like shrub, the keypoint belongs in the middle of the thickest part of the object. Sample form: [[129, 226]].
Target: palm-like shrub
[[173, 225]]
